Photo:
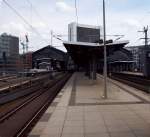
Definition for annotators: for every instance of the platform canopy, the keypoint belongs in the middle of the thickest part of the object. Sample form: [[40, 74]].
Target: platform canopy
[[82, 52]]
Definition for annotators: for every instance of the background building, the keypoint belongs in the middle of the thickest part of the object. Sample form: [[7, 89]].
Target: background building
[[9, 53], [137, 53], [145, 60], [83, 33], [25, 61], [121, 60], [141, 56]]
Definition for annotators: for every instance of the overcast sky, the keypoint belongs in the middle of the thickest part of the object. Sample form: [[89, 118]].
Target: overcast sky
[[124, 17]]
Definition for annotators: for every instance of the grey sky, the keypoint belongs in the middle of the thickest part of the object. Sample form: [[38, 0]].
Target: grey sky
[[122, 16]]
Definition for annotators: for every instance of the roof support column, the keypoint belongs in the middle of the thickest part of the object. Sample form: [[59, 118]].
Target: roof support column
[[92, 68]]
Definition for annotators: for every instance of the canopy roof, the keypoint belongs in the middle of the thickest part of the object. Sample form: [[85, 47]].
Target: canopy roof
[[82, 52]]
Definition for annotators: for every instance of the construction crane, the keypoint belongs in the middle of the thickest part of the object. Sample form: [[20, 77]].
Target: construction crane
[[23, 46], [27, 42]]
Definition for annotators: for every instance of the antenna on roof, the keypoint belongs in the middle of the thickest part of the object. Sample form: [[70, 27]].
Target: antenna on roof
[[51, 38]]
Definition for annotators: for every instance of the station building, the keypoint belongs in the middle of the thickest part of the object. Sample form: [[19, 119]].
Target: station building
[[49, 58]]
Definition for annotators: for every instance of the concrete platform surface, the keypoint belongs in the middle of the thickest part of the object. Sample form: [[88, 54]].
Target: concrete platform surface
[[80, 111]]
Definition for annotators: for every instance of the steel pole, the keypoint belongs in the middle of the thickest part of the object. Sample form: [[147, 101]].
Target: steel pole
[[76, 11], [105, 53]]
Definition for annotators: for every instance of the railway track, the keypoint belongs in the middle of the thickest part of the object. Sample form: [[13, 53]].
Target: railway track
[[7, 78], [11, 81], [136, 81], [18, 119], [28, 87], [19, 89], [21, 84]]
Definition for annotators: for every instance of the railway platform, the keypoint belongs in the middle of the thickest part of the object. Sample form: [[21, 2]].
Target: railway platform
[[80, 111]]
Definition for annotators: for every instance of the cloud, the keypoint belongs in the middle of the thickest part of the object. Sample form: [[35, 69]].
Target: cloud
[[13, 28], [120, 19], [132, 23], [1, 2], [62, 6], [39, 25]]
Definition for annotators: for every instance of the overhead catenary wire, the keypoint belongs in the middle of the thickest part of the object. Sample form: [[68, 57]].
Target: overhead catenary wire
[[41, 19], [37, 13], [23, 19]]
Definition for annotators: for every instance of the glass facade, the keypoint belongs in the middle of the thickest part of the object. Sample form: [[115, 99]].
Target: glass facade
[[88, 34]]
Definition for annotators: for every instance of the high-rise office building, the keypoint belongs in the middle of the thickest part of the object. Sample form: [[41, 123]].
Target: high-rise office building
[[83, 33], [9, 52]]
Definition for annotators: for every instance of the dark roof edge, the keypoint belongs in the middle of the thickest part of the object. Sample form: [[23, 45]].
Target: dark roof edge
[[49, 46], [95, 44]]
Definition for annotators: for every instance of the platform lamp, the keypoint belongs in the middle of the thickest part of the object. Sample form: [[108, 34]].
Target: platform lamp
[[105, 53]]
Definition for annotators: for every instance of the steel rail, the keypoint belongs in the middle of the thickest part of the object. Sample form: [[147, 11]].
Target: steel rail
[[43, 99]]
